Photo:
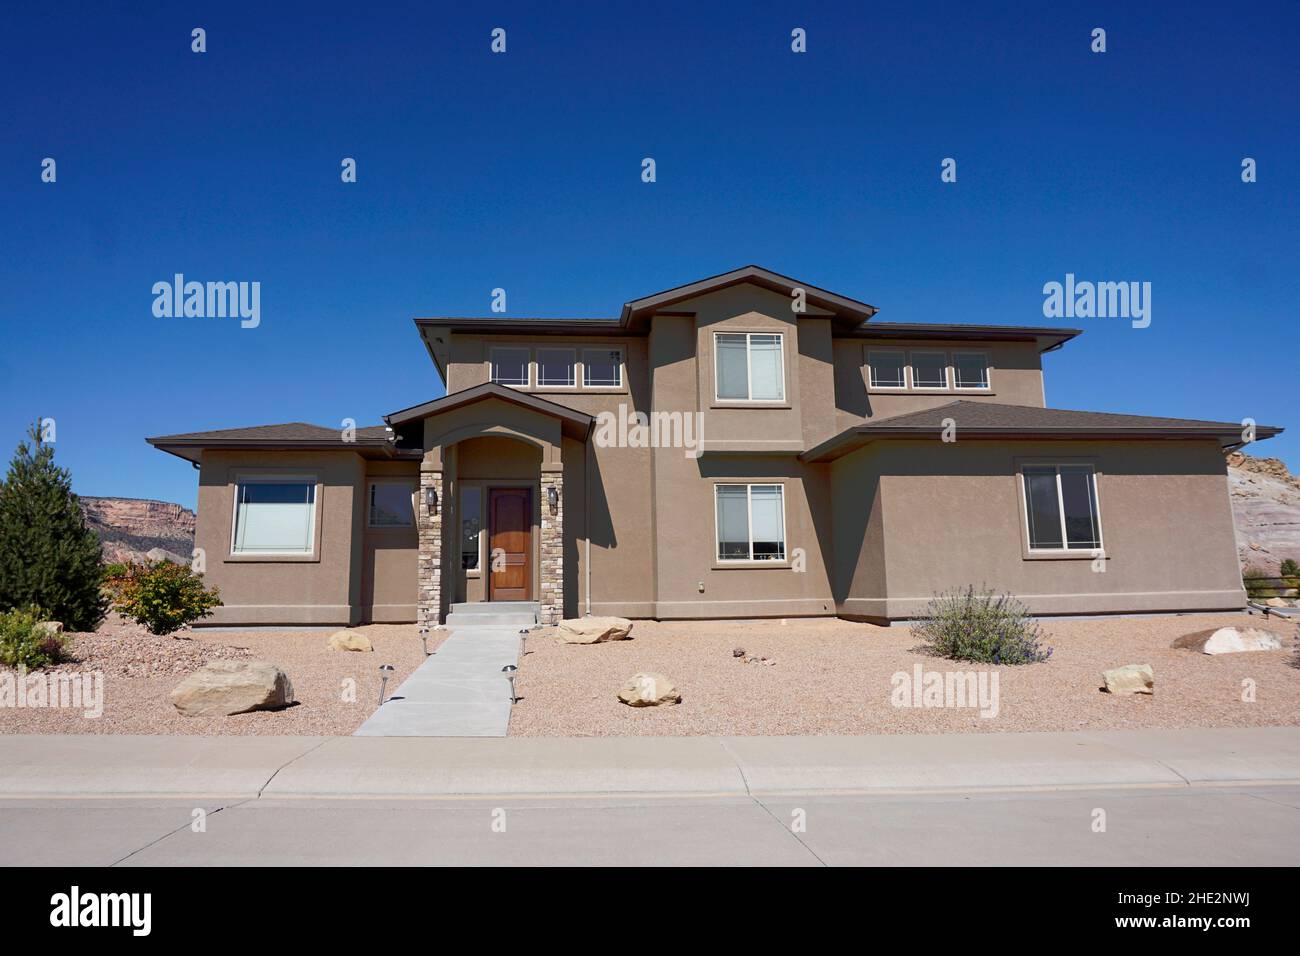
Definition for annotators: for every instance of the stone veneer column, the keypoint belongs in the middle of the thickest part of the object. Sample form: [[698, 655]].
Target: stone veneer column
[[430, 574], [551, 609]]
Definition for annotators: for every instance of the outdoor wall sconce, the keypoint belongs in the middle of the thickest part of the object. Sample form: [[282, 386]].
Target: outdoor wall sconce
[[431, 500], [385, 672], [509, 671], [552, 497]]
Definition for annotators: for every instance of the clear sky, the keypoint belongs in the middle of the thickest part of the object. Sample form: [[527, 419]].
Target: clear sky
[[522, 170]]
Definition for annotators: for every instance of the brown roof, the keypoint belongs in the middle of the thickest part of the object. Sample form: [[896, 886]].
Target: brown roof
[[370, 440], [993, 420], [575, 424]]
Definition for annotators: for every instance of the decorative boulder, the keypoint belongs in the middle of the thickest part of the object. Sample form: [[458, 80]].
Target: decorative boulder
[[1130, 679], [1230, 640], [349, 641], [594, 630], [221, 688], [162, 554], [1276, 602], [649, 689]]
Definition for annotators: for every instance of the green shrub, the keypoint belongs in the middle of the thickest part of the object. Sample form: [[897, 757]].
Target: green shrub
[[25, 645], [164, 596], [1257, 583], [115, 570], [1290, 572], [49, 558], [978, 625]]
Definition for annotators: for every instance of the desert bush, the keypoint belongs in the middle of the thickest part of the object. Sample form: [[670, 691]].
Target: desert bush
[[1290, 572], [164, 596], [1257, 583], [49, 558], [981, 626], [24, 644]]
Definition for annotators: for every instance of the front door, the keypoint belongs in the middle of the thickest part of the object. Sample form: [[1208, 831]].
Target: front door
[[510, 544]]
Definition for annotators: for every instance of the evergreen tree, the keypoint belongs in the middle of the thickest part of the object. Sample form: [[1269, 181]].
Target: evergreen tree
[[48, 557]]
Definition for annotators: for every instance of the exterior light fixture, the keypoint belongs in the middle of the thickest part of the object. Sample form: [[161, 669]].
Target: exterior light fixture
[[523, 641], [424, 638], [431, 500], [509, 671], [385, 672], [552, 497]]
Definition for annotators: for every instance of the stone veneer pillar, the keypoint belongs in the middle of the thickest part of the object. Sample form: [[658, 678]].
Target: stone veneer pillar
[[551, 609], [430, 591]]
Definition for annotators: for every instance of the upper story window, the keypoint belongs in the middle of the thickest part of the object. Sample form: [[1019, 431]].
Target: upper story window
[[749, 367], [274, 515], [392, 504], [888, 368], [510, 366], [970, 370], [555, 368], [602, 368], [929, 369], [1061, 507]]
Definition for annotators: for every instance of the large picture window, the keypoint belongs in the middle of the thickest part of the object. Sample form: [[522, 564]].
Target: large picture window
[[274, 516], [391, 504], [749, 367], [750, 522], [1061, 507]]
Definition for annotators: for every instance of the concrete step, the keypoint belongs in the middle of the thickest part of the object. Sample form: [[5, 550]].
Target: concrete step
[[494, 607], [516, 621]]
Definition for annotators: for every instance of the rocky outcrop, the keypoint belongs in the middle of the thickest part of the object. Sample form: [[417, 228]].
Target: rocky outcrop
[[223, 688], [1265, 510], [129, 528]]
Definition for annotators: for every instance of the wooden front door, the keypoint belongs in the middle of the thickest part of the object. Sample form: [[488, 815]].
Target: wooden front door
[[510, 544]]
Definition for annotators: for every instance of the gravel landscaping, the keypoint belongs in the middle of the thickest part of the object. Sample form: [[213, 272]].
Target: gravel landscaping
[[140, 671], [834, 677]]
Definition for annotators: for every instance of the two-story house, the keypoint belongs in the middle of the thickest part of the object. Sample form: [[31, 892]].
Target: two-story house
[[746, 445]]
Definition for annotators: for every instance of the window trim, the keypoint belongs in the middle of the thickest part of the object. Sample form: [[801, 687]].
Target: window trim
[[239, 478], [871, 368], [1065, 551], [528, 365], [749, 370], [573, 366], [751, 561], [988, 371], [911, 371], [370, 504], [622, 369]]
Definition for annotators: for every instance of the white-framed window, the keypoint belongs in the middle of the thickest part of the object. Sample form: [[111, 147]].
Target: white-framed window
[[391, 504], [555, 368], [510, 365], [1061, 512], [471, 526], [970, 370], [274, 514], [929, 369], [888, 368], [749, 366], [602, 368], [750, 522]]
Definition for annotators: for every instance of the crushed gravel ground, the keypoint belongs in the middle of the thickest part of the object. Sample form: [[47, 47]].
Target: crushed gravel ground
[[834, 677], [139, 671]]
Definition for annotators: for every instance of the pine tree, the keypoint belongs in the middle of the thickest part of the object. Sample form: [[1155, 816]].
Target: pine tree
[[48, 557]]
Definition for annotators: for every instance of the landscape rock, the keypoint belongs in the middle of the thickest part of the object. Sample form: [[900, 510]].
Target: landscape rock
[[1276, 602], [648, 689], [1130, 679], [738, 652], [224, 687], [594, 630], [1230, 640], [162, 554], [49, 628], [349, 641]]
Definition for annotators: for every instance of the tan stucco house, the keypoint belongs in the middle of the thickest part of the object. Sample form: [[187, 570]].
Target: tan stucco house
[[746, 445]]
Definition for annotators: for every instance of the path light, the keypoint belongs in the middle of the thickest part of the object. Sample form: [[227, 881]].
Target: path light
[[424, 639], [385, 672], [523, 641], [509, 671]]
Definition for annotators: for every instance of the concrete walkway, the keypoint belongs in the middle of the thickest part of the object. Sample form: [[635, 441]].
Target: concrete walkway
[[458, 692], [65, 765]]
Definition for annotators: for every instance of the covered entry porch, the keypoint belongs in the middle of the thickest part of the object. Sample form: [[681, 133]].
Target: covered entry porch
[[491, 506]]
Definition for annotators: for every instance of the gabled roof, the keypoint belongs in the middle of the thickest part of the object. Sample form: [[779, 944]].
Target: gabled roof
[[574, 423], [371, 441], [985, 420]]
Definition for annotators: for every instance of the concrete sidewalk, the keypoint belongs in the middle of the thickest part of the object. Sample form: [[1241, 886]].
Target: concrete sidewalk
[[401, 767]]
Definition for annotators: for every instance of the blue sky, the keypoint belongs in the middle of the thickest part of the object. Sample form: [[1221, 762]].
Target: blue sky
[[522, 171]]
